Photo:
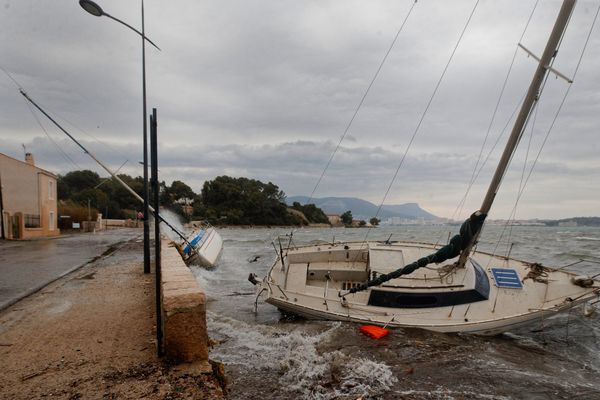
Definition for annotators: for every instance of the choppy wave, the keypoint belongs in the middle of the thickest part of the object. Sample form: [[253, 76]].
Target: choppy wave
[[294, 357], [587, 238], [271, 358], [447, 394]]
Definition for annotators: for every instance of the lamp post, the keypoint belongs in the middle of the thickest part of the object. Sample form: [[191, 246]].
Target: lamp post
[[97, 11]]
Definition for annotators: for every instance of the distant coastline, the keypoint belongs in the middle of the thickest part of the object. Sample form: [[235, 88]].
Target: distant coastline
[[565, 222]]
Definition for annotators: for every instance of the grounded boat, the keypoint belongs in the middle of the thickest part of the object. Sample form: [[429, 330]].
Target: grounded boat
[[466, 290], [488, 295], [202, 248]]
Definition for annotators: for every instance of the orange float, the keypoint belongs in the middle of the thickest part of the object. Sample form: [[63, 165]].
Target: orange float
[[374, 332]]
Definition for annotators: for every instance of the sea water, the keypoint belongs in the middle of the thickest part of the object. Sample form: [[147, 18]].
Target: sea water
[[271, 356]]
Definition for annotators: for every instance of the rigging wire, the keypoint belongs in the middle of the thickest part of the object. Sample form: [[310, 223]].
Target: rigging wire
[[362, 100], [462, 202], [422, 118], [58, 116], [61, 151], [522, 190], [491, 151], [417, 128], [17, 84], [513, 215]]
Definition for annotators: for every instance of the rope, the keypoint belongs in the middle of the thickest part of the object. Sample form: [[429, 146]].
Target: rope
[[362, 100]]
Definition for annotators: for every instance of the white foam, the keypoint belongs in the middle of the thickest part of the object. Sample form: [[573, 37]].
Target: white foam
[[174, 220], [294, 357], [448, 394], [587, 238]]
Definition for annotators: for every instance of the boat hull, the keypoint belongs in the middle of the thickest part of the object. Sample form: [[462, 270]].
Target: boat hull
[[207, 250]]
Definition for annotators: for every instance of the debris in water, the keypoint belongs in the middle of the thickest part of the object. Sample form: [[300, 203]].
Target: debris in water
[[374, 332]]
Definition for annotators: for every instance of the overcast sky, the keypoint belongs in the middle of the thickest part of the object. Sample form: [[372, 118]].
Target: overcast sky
[[265, 89]]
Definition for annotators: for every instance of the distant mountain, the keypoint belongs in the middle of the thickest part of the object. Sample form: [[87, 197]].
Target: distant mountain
[[411, 209], [362, 209]]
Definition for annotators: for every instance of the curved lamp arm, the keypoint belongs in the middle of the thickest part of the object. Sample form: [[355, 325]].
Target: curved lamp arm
[[97, 11]]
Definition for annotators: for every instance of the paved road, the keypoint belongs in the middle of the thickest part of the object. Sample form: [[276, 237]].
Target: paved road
[[27, 266]]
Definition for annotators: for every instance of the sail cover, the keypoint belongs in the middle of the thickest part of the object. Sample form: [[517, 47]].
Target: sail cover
[[468, 231]]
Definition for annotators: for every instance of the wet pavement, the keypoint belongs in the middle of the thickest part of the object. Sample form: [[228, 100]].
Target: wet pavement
[[27, 266]]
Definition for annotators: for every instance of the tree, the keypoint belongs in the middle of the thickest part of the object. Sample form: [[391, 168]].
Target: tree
[[347, 218], [179, 190], [245, 201], [105, 194], [313, 213], [96, 197], [374, 221], [76, 181]]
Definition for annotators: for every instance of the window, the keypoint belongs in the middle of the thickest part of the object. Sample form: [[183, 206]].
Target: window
[[51, 221], [50, 190], [32, 221]]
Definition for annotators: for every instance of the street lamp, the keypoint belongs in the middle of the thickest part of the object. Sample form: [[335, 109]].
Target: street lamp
[[97, 11]]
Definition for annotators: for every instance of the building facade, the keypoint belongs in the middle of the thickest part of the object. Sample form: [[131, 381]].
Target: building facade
[[28, 199]]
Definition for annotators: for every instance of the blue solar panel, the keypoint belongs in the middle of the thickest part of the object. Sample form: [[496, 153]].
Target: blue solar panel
[[506, 278]]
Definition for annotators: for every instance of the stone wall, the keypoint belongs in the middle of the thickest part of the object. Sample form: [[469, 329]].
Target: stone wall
[[183, 312]]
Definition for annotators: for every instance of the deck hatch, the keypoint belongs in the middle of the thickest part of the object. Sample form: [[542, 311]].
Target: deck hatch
[[506, 278]]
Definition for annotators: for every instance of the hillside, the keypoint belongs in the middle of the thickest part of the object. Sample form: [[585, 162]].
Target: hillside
[[362, 209]]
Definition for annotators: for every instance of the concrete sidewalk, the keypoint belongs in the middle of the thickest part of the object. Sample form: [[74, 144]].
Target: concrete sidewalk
[[28, 266]]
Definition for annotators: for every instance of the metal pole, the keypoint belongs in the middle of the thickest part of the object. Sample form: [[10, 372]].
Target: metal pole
[[146, 210], [528, 104], [2, 211], [157, 241]]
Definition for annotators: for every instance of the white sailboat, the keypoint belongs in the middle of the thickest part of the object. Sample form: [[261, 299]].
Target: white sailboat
[[203, 247], [460, 291]]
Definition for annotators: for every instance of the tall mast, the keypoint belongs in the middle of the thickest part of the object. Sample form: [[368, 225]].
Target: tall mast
[[113, 174], [530, 99]]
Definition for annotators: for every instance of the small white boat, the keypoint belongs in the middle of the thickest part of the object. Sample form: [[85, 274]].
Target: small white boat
[[446, 289], [203, 247]]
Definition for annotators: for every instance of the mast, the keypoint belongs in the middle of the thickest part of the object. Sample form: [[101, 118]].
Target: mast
[[531, 98], [129, 189]]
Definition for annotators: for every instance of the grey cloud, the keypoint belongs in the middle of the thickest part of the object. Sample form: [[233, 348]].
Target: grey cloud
[[265, 89]]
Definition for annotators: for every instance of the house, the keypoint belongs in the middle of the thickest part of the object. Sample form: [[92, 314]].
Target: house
[[28, 204], [335, 220]]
